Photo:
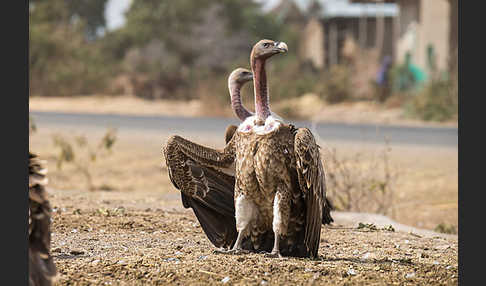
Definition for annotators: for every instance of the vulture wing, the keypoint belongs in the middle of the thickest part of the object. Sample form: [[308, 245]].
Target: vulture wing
[[312, 183], [195, 170], [41, 264]]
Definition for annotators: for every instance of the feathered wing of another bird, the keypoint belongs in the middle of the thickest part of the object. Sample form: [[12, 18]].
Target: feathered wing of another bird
[[41, 265]]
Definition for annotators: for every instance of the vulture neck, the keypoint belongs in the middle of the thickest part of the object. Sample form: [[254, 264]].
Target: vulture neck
[[236, 104], [262, 108]]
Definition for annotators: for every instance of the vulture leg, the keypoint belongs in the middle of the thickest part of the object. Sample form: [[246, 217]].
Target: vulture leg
[[281, 213], [246, 212]]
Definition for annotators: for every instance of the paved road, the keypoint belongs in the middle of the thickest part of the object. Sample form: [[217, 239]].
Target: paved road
[[365, 133]]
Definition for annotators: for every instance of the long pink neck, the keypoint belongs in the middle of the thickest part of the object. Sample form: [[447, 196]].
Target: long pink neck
[[236, 104], [262, 108]]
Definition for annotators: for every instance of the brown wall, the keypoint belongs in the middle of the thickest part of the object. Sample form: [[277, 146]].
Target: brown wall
[[424, 22]]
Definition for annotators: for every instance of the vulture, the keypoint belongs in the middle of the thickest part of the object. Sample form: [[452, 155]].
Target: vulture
[[204, 188], [41, 265], [271, 170]]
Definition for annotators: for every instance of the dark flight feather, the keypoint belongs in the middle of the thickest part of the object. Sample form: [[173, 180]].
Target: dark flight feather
[[41, 265]]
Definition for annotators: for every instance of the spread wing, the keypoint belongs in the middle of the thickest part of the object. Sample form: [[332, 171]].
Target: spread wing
[[196, 171], [312, 183], [41, 264]]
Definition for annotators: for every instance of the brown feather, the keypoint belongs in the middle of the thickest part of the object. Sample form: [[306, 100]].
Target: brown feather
[[41, 265]]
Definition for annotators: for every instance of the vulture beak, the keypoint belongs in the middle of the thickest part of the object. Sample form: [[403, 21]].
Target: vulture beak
[[281, 47]]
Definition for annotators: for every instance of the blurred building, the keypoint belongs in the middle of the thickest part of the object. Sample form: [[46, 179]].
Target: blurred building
[[335, 29], [426, 30]]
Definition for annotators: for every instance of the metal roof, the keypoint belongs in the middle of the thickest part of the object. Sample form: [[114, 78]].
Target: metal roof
[[343, 8]]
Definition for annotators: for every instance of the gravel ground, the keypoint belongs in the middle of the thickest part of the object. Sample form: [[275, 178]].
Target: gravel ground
[[135, 238]]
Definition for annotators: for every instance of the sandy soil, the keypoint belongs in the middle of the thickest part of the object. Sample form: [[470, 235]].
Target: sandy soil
[[136, 238]]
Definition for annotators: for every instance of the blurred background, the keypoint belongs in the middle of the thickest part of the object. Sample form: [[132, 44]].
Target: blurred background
[[395, 55], [376, 81]]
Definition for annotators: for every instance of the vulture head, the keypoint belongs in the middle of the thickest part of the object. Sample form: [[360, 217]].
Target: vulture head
[[240, 76], [267, 48]]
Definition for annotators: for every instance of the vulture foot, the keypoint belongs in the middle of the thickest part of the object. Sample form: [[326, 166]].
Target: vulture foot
[[273, 255]]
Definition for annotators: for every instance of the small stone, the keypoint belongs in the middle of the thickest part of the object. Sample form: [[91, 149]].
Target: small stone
[[442, 247], [368, 255], [264, 282], [410, 275], [225, 280], [172, 259], [424, 255], [76, 252], [351, 272]]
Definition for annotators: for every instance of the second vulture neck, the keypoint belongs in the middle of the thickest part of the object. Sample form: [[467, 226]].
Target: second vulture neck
[[262, 108], [236, 104]]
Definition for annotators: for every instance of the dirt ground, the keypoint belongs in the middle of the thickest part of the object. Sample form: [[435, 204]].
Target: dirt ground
[[135, 231], [136, 238]]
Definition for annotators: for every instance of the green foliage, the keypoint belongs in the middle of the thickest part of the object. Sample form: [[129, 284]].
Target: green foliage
[[92, 12], [169, 47], [438, 101], [87, 154], [62, 61]]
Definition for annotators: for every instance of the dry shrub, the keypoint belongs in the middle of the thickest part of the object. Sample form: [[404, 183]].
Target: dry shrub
[[361, 184], [338, 86], [81, 154]]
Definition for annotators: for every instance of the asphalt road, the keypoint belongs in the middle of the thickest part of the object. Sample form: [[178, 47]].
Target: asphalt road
[[364, 133]]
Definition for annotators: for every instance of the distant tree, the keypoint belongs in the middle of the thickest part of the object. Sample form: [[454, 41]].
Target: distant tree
[[61, 59], [173, 43], [91, 12]]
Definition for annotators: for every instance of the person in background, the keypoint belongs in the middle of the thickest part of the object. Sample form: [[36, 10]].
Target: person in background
[[383, 79]]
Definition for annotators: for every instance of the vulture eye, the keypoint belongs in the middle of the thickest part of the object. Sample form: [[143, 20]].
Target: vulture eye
[[266, 45]]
